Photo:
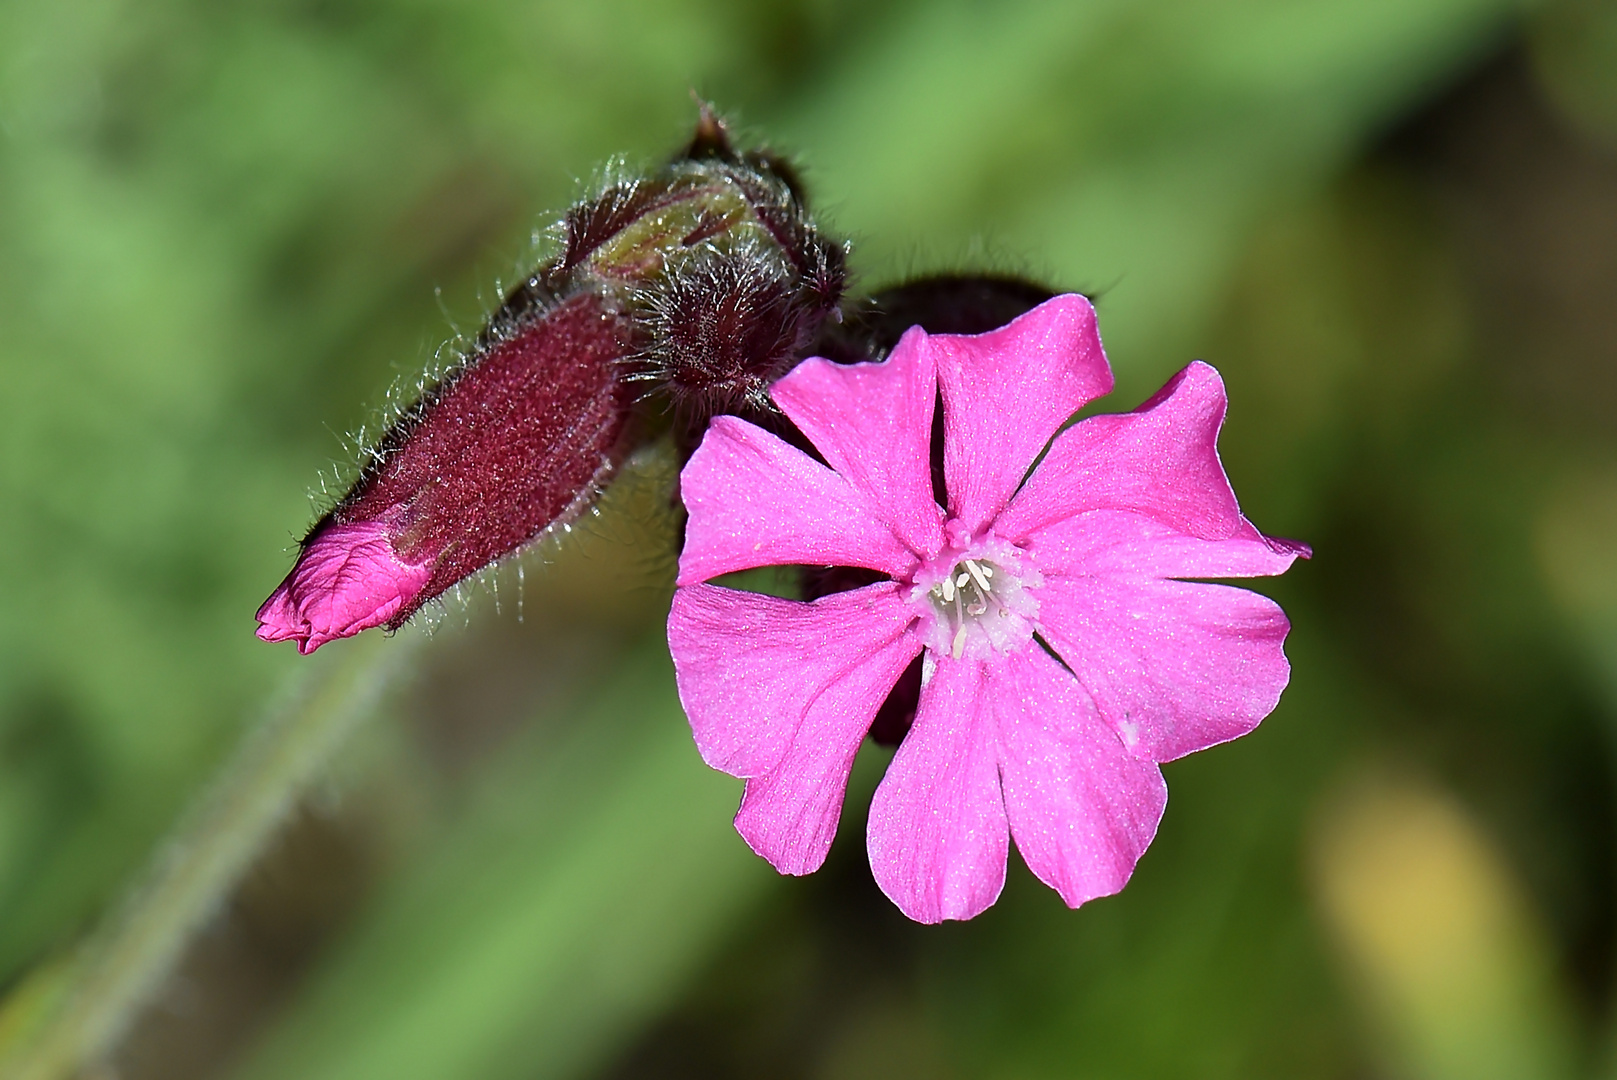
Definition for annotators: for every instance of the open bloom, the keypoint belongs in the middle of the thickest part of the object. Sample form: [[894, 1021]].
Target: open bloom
[[1068, 648]]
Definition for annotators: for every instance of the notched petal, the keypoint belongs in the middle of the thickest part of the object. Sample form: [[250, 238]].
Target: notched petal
[[1173, 666], [789, 815], [756, 501], [1160, 460], [873, 424], [750, 667], [1006, 392], [1082, 809], [938, 838]]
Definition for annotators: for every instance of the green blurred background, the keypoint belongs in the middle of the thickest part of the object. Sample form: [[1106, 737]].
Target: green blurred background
[[227, 230]]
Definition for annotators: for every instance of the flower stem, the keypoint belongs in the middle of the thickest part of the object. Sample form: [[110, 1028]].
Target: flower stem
[[71, 1015]]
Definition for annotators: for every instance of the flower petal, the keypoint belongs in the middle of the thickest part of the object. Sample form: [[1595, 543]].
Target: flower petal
[[750, 667], [1174, 666], [790, 815], [1160, 460], [937, 836], [1081, 808], [1121, 542], [756, 501], [1006, 392], [873, 424]]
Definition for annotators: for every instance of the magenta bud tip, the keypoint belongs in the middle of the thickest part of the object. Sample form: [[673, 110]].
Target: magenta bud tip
[[347, 579]]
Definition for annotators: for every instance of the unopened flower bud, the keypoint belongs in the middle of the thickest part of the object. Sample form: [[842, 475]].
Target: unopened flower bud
[[690, 289], [514, 441]]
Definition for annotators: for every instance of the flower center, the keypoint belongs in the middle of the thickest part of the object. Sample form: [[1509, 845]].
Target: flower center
[[977, 600]]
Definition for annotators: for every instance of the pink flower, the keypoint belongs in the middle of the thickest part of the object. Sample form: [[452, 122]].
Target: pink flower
[[1067, 647]]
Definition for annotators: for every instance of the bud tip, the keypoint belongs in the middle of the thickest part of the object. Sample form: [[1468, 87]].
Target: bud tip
[[348, 578]]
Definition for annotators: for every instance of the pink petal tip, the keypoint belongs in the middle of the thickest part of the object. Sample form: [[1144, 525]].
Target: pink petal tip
[[347, 579]]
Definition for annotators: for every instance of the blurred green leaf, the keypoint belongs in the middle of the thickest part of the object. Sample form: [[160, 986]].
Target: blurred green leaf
[[1574, 51]]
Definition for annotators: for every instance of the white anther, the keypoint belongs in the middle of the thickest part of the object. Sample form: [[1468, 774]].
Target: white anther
[[977, 573], [963, 580], [988, 571], [959, 647], [948, 590]]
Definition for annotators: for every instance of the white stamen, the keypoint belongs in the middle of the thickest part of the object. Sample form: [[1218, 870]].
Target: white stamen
[[969, 606]]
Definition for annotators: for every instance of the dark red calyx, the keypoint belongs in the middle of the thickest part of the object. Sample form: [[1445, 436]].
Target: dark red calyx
[[515, 440]]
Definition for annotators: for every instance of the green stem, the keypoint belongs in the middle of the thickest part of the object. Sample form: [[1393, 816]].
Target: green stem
[[72, 1016]]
